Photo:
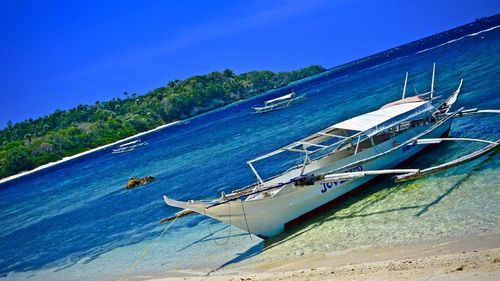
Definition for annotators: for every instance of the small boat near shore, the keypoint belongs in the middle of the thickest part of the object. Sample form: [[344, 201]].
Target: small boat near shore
[[278, 103], [129, 146], [339, 159]]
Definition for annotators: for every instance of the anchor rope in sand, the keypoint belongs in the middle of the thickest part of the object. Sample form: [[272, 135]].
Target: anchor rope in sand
[[146, 252]]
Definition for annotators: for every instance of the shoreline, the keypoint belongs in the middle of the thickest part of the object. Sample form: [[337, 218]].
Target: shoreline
[[475, 258], [325, 73], [78, 155], [178, 122]]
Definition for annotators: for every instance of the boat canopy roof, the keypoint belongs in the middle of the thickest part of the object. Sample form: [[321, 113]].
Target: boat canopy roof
[[405, 100], [369, 124], [376, 121], [285, 97]]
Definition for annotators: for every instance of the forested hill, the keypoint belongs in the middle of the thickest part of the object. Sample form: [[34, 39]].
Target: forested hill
[[32, 143]]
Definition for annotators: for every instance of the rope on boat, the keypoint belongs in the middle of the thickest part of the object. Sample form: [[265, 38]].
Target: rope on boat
[[246, 221], [229, 232], [146, 252]]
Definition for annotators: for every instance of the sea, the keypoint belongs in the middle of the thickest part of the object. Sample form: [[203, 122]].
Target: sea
[[77, 221]]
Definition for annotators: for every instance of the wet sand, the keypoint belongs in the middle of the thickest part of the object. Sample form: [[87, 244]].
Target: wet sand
[[459, 259]]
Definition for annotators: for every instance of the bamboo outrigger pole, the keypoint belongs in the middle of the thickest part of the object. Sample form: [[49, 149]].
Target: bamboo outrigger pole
[[464, 159], [180, 214]]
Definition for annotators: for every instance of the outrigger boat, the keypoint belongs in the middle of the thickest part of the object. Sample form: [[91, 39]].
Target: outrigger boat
[[129, 146], [339, 159], [280, 102]]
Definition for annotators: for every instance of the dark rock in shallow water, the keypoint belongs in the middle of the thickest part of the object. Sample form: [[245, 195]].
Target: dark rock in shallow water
[[135, 182]]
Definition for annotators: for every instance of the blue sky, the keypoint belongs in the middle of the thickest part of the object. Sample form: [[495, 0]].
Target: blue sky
[[58, 54]]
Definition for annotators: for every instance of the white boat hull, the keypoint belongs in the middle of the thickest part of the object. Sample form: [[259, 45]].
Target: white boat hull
[[129, 148], [267, 216]]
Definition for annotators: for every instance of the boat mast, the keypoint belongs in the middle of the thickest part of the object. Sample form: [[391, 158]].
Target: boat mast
[[432, 82], [404, 87], [306, 159]]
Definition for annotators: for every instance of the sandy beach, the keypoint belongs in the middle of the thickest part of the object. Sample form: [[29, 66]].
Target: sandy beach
[[459, 259]]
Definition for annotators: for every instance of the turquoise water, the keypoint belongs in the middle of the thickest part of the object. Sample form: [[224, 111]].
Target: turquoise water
[[78, 222]]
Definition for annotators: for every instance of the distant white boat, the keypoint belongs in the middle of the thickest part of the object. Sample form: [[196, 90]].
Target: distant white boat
[[277, 103], [129, 146]]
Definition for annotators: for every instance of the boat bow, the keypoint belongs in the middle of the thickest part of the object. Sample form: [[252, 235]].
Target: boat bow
[[175, 203]]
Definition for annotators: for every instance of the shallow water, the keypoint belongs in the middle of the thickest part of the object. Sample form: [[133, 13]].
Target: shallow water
[[78, 222]]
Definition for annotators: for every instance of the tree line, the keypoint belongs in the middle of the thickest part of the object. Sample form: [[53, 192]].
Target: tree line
[[31, 143]]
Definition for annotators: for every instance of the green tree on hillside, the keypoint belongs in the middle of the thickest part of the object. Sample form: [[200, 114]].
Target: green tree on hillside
[[32, 143]]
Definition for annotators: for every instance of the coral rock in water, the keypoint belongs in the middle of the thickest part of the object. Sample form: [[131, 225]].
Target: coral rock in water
[[135, 182]]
